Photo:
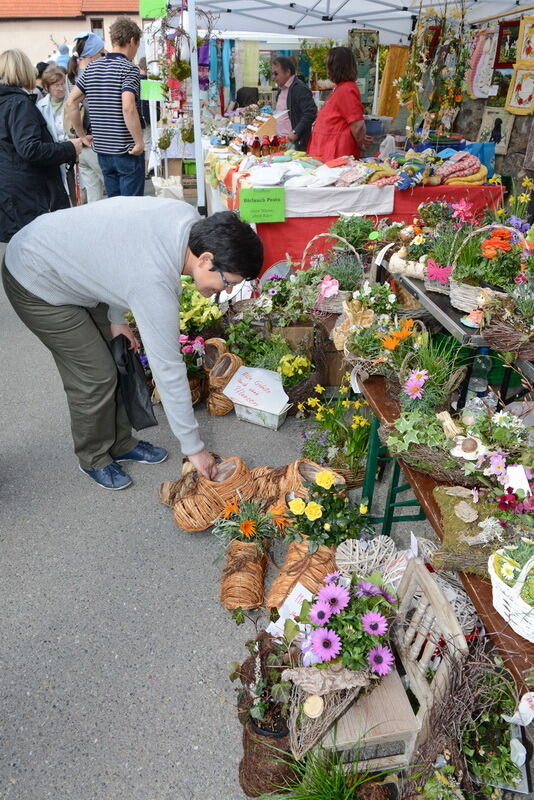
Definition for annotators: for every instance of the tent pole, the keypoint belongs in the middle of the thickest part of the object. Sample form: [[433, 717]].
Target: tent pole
[[513, 11], [195, 97]]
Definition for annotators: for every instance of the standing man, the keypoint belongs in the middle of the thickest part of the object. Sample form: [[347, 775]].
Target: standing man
[[295, 97], [110, 86]]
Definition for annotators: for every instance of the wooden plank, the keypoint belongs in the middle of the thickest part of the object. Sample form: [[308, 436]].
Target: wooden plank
[[517, 653]]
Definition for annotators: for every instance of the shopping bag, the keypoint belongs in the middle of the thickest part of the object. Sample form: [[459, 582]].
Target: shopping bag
[[132, 384]]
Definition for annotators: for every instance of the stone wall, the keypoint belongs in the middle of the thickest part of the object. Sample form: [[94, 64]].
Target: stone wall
[[468, 124]]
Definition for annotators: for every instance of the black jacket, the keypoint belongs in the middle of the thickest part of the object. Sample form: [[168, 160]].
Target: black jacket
[[30, 180], [302, 111]]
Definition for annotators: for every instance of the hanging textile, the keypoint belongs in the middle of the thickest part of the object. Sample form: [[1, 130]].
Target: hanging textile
[[251, 63], [479, 76], [239, 60], [396, 62], [226, 57]]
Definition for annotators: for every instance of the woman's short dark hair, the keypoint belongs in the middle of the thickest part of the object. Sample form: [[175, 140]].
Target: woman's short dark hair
[[124, 29], [236, 247], [285, 63], [341, 64]]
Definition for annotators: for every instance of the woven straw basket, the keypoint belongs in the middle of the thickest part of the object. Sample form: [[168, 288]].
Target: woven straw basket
[[330, 305], [200, 508], [213, 349], [220, 375], [243, 576], [508, 602], [463, 296], [301, 566]]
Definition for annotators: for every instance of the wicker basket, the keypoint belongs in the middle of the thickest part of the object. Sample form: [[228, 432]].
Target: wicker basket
[[437, 286], [213, 349], [508, 602], [449, 389], [463, 296], [407, 300], [220, 375], [329, 305], [502, 336], [301, 566], [243, 576], [297, 394], [353, 477]]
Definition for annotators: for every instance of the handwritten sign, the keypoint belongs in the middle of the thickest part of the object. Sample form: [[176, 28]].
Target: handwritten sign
[[257, 388], [262, 205], [290, 609]]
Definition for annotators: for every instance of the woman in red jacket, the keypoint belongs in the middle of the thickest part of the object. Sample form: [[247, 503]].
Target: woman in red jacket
[[339, 129]]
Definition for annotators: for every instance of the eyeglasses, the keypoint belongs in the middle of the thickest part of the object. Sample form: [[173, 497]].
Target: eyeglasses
[[226, 283]]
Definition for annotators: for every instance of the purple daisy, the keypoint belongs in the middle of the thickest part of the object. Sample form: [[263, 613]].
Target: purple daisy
[[325, 643], [320, 613], [380, 659], [366, 589], [337, 597], [388, 596], [374, 623], [333, 576]]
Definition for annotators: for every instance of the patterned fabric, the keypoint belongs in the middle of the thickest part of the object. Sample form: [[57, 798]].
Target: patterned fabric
[[388, 102]]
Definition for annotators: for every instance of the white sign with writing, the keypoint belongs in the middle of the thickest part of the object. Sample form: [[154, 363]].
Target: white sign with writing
[[257, 388], [290, 608]]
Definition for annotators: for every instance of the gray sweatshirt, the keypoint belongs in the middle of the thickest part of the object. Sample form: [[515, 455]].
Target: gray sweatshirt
[[127, 252]]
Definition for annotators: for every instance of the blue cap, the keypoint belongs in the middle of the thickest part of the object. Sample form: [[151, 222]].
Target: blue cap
[[93, 44]]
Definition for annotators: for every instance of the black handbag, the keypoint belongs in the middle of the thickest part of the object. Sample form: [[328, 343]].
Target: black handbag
[[132, 384]]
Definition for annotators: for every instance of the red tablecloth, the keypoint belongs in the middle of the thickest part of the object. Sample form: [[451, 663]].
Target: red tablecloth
[[292, 236]]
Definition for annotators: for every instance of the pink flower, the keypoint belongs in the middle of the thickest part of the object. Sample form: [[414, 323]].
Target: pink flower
[[497, 466], [463, 211], [380, 659], [435, 272], [187, 348], [183, 338], [374, 623], [325, 643], [328, 287], [337, 597], [420, 375], [333, 576], [521, 278], [414, 388]]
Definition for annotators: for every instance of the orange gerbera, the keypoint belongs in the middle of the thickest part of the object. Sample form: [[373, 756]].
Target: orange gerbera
[[248, 528], [390, 343], [231, 507], [406, 330], [488, 251], [501, 233], [279, 516]]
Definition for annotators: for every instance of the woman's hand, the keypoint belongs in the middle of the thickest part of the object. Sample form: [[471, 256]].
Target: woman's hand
[[204, 462], [78, 145], [125, 329]]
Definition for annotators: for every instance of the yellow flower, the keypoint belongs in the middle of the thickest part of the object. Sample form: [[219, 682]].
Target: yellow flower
[[357, 404], [319, 389], [527, 183], [330, 411], [346, 377], [313, 511], [327, 526], [313, 402], [300, 406], [495, 179], [353, 426], [297, 506], [500, 211], [319, 416], [343, 389], [524, 198], [325, 478], [345, 403], [363, 508]]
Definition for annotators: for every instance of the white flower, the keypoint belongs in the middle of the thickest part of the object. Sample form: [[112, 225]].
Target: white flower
[[419, 239], [366, 289], [392, 298], [332, 452], [371, 300], [508, 570]]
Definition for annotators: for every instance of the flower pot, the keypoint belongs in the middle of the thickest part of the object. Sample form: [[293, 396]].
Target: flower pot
[[261, 768], [243, 577], [301, 566]]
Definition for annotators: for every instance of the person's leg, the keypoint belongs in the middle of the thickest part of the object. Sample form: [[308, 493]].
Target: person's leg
[[86, 367], [91, 175], [131, 171], [110, 174]]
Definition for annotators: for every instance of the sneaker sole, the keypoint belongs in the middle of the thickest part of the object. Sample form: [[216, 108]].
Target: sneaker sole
[[108, 488], [139, 461]]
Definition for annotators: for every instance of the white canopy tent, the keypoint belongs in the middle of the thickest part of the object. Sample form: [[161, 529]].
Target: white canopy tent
[[393, 19]]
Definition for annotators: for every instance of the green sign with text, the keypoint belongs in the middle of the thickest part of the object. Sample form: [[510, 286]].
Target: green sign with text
[[152, 9], [262, 205], [151, 90]]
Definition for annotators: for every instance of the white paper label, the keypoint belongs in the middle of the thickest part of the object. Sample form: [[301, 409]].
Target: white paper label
[[290, 608], [257, 388], [516, 477]]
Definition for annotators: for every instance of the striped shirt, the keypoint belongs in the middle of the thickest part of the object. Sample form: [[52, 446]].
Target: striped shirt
[[103, 83]]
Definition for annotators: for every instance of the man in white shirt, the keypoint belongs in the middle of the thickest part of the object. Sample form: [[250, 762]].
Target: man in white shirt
[[295, 98]]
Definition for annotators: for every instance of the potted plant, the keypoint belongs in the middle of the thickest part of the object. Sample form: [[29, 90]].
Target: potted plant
[[198, 315], [263, 710], [193, 349], [316, 524], [339, 435], [508, 322], [246, 528]]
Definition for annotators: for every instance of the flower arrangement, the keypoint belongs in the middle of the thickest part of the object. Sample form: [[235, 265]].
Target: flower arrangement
[[294, 369], [193, 349], [493, 259], [348, 621], [339, 435], [248, 521], [290, 299], [435, 212], [356, 231], [326, 516], [434, 373], [196, 312], [510, 560], [377, 296]]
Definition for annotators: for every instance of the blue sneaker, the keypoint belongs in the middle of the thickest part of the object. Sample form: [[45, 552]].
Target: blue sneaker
[[110, 477], [145, 453]]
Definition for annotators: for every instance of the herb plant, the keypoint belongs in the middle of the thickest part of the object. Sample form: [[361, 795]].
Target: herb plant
[[355, 230]]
